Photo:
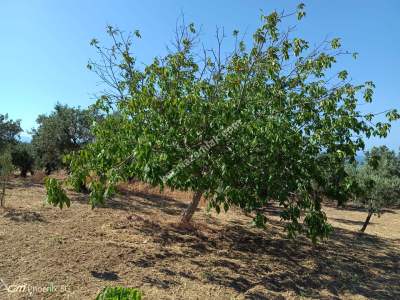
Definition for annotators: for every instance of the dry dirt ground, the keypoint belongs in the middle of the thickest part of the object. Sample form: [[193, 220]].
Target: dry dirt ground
[[133, 242]]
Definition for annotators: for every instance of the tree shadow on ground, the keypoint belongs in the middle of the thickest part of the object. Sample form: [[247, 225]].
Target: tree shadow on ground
[[23, 183], [356, 207], [350, 222], [259, 264], [160, 283], [256, 262], [166, 204], [23, 216], [109, 276], [138, 201]]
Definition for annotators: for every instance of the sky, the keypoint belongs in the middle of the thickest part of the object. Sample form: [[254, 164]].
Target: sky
[[44, 44]]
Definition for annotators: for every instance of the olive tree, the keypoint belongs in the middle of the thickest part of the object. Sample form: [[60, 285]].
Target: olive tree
[[378, 181], [255, 126], [23, 158], [64, 130]]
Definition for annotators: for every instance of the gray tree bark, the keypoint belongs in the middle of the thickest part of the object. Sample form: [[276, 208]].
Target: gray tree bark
[[190, 210], [366, 221]]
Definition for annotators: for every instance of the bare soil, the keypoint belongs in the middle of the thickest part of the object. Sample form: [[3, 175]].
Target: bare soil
[[133, 241]]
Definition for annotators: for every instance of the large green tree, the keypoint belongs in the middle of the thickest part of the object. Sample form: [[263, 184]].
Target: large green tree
[[257, 125], [64, 130]]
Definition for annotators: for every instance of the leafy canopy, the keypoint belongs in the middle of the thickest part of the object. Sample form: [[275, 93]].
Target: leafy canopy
[[65, 130], [55, 194], [297, 115], [23, 158], [378, 179], [9, 131]]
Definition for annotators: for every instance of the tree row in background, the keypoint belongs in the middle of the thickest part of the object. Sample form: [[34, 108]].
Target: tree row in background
[[63, 131]]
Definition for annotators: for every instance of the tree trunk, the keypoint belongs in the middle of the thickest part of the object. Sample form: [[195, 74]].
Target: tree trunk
[[188, 213], [366, 221], [3, 193], [83, 189]]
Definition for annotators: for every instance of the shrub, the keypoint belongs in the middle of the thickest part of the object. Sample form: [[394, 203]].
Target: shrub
[[55, 194], [119, 293]]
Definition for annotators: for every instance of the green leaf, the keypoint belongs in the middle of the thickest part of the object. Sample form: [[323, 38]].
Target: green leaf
[[56, 196], [137, 34], [119, 293], [335, 43]]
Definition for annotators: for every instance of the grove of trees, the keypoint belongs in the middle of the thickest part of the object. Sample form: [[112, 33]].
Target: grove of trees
[[58, 134]]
